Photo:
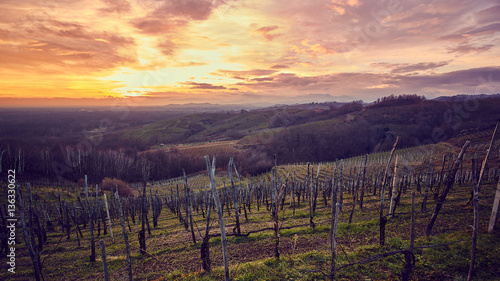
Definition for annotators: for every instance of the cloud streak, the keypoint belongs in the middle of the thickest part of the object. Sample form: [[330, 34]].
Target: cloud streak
[[205, 86], [397, 68]]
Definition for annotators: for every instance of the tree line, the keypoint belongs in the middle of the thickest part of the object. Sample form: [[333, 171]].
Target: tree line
[[71, 162], [359, 130]]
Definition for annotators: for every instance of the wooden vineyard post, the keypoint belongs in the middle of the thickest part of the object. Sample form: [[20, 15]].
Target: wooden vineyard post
[[362, 195], [475, 227], [429, 179], [311, 195], [449, 184], [315, 188], [283, 197], [189, 205], [125, 236], [483, 166], [341, 184], [476, 187], [30, 243], [334, 223], [73, 217], [129, 211], [68, 225], [211, 175], [223, 199], [42, 236], [103, 258], [109, 218], [355, 189], [274, 187], [412, 230], [394, 185], [495, 210], [375, 182], [144, 215], [103, 218], [249, 194], [409, 257], [91, 220], [298, 192], [235, 200], [382, 219], [61, 218], [246, 200], [50, 225], [153, 207], [440, 178], [205, 250], [97, 210], [407, 180], [292, 201], [4, 246], [281, 193], [178, 208], [461, 176], [156, 205], [349, 182], [80, 201]]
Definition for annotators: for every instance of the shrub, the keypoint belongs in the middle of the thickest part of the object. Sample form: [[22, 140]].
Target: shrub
[[124, 189]]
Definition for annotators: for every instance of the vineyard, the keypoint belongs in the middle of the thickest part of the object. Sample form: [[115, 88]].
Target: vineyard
[[421, 213]]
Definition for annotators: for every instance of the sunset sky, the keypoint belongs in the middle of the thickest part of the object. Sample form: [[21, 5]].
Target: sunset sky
[[155, 52]]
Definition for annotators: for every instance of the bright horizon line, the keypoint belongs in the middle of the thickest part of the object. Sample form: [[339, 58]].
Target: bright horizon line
[[129, 102]]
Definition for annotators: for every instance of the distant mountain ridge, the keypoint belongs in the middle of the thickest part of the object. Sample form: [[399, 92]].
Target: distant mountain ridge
[[466, 97]]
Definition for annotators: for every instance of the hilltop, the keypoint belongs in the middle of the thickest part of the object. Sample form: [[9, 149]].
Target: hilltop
[[101, 144]]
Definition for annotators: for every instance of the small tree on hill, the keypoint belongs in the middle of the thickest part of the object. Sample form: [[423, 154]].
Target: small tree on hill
[[124, 189]]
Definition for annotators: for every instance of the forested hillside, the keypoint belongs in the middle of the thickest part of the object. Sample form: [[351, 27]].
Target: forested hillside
[[301, 133]]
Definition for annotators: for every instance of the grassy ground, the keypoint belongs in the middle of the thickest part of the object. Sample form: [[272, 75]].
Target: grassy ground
[[304, 250]]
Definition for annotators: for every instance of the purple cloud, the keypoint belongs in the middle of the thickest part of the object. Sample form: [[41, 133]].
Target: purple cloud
[[463, 49], [406, 67], [244, 74], [116, 6], [279, 66], [205, 86], [266, 32]]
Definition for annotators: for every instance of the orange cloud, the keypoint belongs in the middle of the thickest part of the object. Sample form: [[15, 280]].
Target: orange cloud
[[318, 49], [266, 32], [243, 74], [312, 50], [340, 6], [206, 86]]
